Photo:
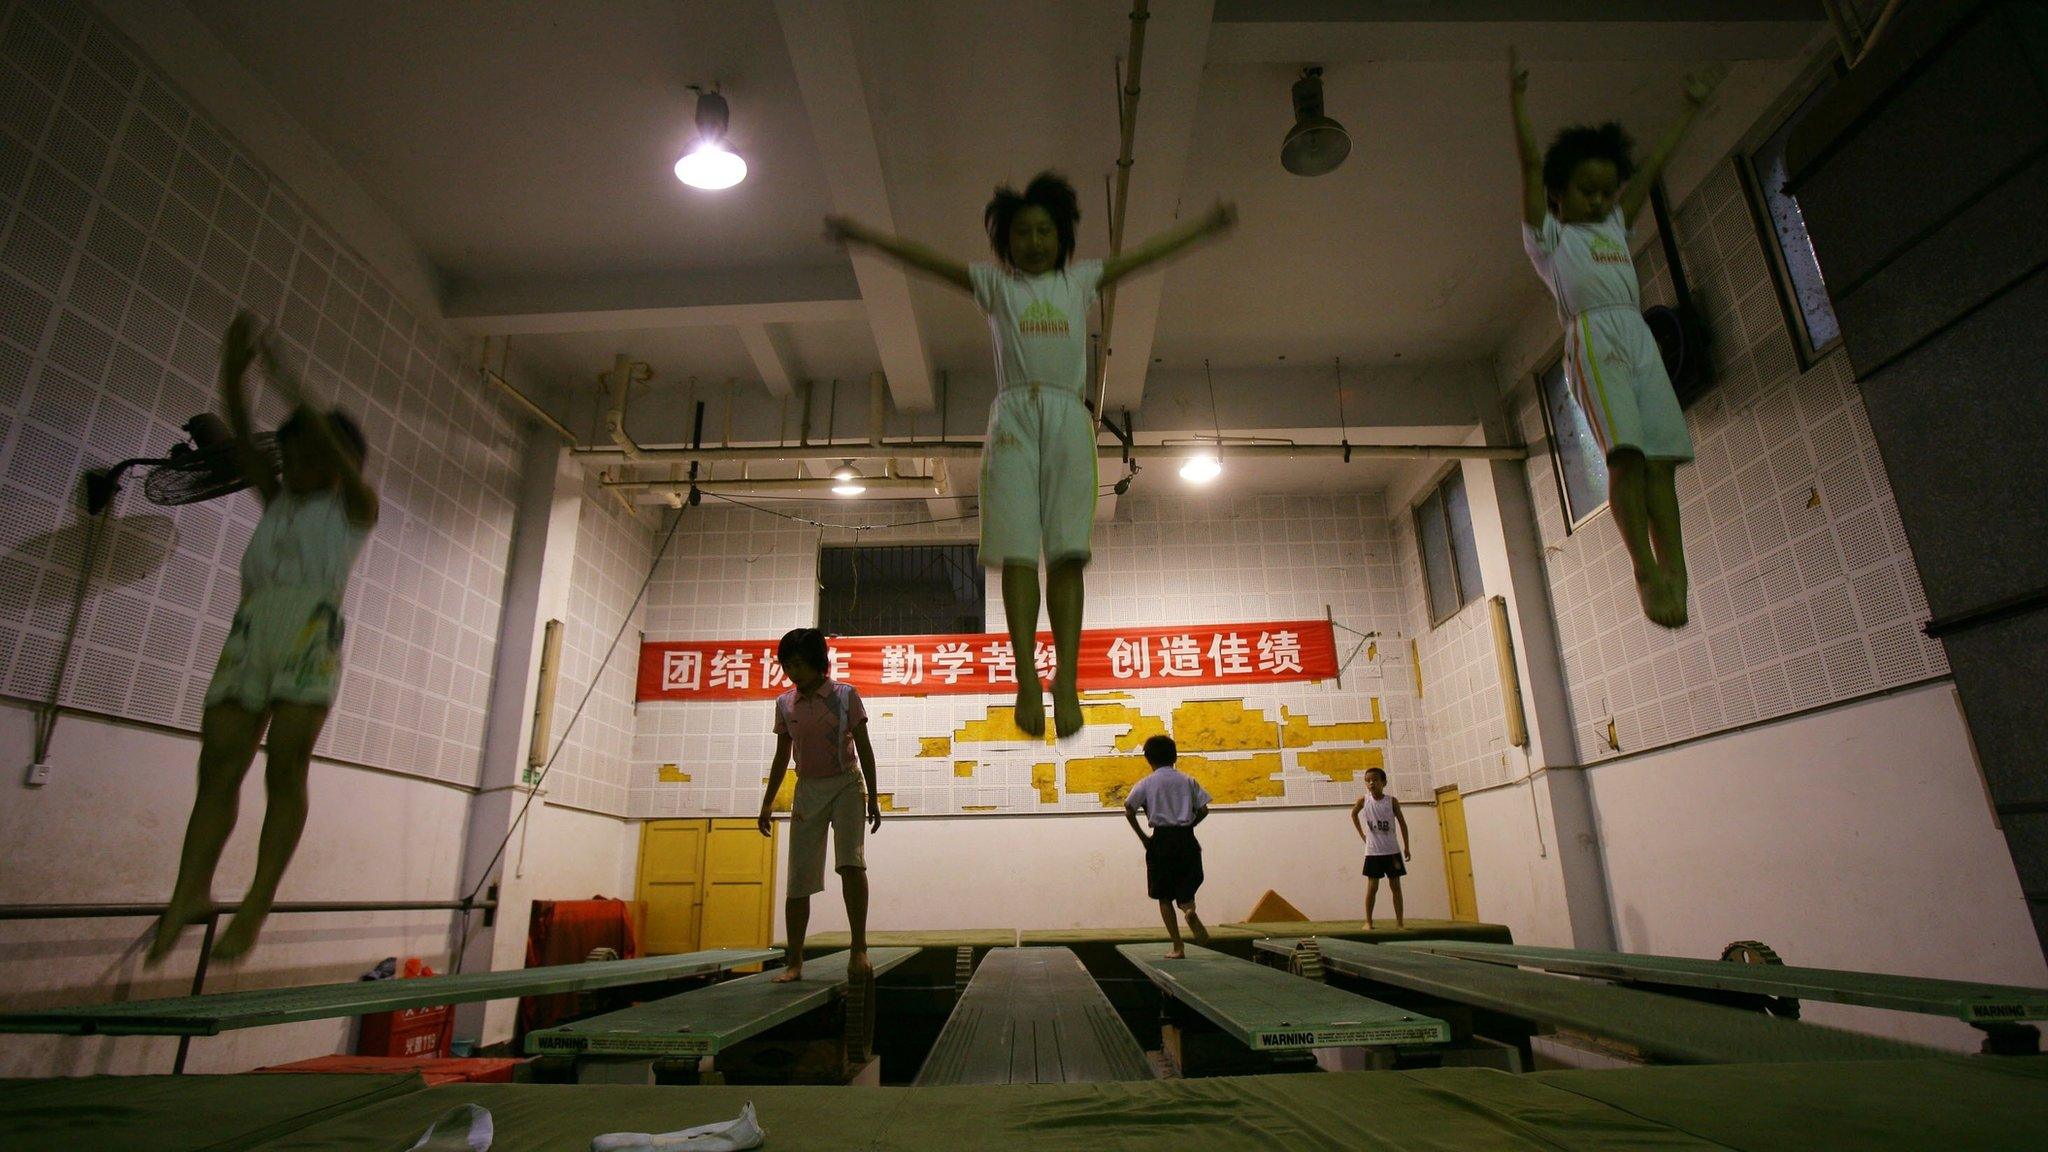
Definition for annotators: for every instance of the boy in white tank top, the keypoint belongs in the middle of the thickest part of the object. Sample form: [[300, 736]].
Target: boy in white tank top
[[1384, 855]]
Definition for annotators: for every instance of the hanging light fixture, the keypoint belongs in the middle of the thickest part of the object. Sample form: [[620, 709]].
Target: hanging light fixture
[[1316, 144], [846, 480], [709, 164]]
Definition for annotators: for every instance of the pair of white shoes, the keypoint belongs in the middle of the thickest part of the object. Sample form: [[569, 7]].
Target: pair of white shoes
[[468, 1129], [722, 1136]]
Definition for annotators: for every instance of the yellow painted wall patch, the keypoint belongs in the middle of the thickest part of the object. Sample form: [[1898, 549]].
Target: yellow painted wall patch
[[934, 747], [1343, 763], [670, 774]]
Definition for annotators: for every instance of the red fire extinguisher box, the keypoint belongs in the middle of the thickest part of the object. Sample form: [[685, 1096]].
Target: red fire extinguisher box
[[409, 1031]]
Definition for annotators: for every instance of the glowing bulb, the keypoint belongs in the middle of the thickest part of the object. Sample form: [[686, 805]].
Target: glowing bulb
[[849, 488], [845, 472], [710, 166], [1201, 469]]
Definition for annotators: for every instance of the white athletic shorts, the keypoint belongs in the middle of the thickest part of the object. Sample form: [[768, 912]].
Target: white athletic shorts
[[1038, 478], [1618, 376], [835, 803]]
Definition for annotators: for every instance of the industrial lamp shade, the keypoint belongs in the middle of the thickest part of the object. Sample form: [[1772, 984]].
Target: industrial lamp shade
[[709, 163], [1316, 144]]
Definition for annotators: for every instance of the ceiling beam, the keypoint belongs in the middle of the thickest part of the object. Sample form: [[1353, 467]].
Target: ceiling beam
[[819, 34], [1273, 41], [624, 302], [769, 348], [1177, 41]]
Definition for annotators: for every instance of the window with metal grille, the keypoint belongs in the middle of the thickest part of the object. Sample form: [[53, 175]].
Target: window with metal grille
[[1802, 291], [1450, 557], [1575, 456], [901, 590]]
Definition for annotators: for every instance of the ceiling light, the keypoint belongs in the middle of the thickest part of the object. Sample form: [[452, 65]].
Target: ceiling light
[[1201, 469], [846, 480], [1316, 144], [709, 164]]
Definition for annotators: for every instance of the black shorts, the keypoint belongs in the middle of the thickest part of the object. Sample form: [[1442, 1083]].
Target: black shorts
[[1390, 864], [1173, 865]]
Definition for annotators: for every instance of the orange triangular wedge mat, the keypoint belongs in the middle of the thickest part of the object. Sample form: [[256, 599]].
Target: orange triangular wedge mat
[[1272, 909]]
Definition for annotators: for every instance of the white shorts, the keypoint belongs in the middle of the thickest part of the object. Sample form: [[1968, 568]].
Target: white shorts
[[1618, 376], [837, 803], [284, 646], [1038, 478]]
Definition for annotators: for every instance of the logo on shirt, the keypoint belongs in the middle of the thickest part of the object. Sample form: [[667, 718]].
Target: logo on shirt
[[1605, 251], [1042, 319]]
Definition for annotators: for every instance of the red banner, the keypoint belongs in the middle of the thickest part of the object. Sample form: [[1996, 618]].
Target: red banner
[[986, 664]]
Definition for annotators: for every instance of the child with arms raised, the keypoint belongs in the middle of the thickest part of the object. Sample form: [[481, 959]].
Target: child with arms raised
[[282, 659], [1038, 478], [1578, 199]]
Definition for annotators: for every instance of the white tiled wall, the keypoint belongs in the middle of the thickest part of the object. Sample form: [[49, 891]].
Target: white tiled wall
[[131, 229], [735, 573], [613, 550], [1461, 701], [1803, 591]]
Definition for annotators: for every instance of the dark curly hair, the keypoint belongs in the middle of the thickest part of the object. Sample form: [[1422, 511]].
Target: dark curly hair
[[346, 430], [1047, 190], [1574, 146]]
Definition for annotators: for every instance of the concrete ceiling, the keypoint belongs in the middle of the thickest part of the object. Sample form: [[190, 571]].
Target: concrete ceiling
[[526, 147]]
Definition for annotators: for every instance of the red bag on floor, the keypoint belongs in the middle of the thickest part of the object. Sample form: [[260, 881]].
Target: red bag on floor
[[565, 932]]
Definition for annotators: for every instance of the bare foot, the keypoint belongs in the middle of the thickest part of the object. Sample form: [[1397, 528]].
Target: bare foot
[[1030, 709], [241, 934], [790, 975], [1667, 607], [1400, 924], [1650, 593], [857, 963], [1368, 926], [1066, 708], [1176, 954], [181, 914]]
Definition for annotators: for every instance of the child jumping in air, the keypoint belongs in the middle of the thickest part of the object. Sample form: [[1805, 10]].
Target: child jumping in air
[[282, 658], [1384, 855], [1173, 803], [1578, 199], [822, 722], [1038, 477]]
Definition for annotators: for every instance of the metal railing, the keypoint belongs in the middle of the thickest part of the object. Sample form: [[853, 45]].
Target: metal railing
[[488, 906]]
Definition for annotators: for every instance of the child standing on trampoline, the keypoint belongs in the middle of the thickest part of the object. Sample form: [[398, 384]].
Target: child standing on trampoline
[[823, 726], [1038, 478], [1173, 803], [282, 658], [1617, 373], [1385, 856]]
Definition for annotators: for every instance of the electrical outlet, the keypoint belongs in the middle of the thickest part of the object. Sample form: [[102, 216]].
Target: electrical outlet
[[36, 776]]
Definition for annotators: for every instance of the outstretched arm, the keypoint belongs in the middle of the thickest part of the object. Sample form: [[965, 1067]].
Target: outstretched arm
[[1534, 203], [906, 252], [1167, 243], [1699, 87], [237, 349], [357, 497]]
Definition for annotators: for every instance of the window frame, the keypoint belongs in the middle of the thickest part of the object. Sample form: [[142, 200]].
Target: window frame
[[1572, 520], [1436, 488], [819, 578], [1811, 84]]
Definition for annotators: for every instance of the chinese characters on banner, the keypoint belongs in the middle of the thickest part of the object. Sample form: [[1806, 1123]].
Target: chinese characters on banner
[[963, 664]]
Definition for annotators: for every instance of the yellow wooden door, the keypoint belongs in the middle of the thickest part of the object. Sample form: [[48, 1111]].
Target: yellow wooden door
[[671, 887], [739, 886], [1450, 819]]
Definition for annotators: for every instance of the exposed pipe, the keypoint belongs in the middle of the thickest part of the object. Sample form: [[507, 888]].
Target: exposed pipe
[[972, 449], [795, 485], [533, 409], [1128, 109], [622, 377]]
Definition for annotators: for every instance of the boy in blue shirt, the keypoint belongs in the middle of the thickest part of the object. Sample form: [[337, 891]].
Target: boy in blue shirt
[[1173, 803]]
